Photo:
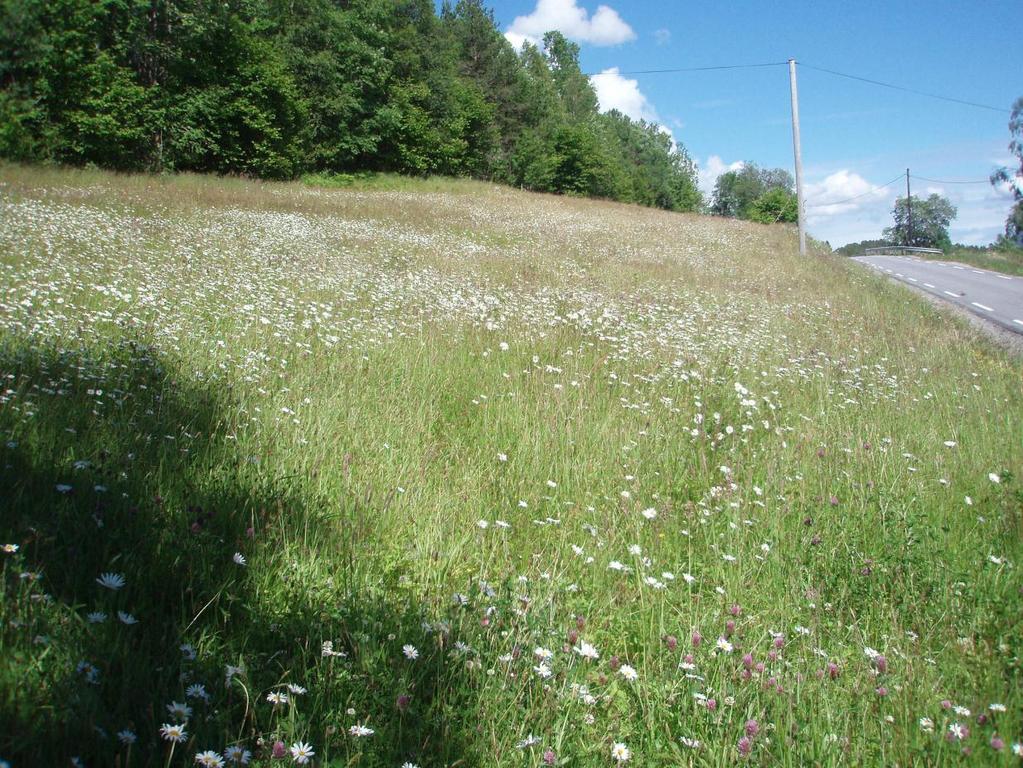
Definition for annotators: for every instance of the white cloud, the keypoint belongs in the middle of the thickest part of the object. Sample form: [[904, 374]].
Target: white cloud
[[832, 196], [617, 92], [708, 173], [662, 36], [604, 27]]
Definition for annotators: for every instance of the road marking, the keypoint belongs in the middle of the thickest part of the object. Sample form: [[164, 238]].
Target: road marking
[[911, 279], [899, 274], [1003, 277], [976, 272], [1018, 321], [928, 285], [949, 293], [959, 268], [986, 309]]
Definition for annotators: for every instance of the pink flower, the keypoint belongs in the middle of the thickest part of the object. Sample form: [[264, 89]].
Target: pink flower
[[735, 610], [881, 663], [779, 641], [833, 670], [279, 750], [747, 661], [834, 501], [712, 704], [672, 642], [881, 691], [997, 744], [745, 746], [752, 728], [729, 627], [549, 757], [697, 639], [946, 704]]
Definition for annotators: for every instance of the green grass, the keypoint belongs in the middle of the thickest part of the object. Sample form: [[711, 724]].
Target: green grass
[[1009, 260], [340, 384]]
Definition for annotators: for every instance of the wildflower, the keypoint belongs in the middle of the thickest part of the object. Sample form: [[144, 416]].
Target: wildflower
[[111, 580], [188, 651], [961, 711], [209, 759], [745, 746], [752, 728], [997, 744], [179, 710], [277, 698], [1017, 749], [482, 524], [587, 651], [96, 617], [528, 742], [298, 690], [196, 691], [957, 732], [301, 752], [279, 750], [926, 725], [620, 752], [994, 478], [238, 755], [10, 549], [127, 618], [410, 651], [691, 743], [543, 670], [63, 488], [502, 457], [650, 513], [127, 737], [239, 558], [543, 653], [173, 733], [724, 646], [995, 707], [628, 673], [549, 757], [360, 731]]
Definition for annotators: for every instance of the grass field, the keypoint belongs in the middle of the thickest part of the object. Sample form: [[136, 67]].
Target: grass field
[[1009, 261], [446, 474]]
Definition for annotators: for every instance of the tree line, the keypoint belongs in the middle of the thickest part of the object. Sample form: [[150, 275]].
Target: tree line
[[279, 88]]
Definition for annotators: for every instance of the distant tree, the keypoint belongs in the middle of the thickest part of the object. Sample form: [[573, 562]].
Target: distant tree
[[929, 225], [776, 205], [855, 249], [736, 191], [1014, 176]]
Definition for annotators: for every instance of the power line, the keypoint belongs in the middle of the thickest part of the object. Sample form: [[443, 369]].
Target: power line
[[857, 197], [689, 69], [907, 90], [942, 181]]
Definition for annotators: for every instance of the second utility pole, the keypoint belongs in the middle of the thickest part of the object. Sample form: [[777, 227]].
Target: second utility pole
[[909, 209], [799, 156]]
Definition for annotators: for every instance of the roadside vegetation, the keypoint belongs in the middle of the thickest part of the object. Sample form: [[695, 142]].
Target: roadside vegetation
[[462, 475]]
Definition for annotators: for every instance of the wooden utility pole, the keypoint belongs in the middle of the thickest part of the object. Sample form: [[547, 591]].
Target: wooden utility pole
[[797, 151], [909, 208]]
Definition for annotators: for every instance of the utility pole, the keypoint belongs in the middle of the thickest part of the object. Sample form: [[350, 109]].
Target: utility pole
[[909, 208], [797, 151]]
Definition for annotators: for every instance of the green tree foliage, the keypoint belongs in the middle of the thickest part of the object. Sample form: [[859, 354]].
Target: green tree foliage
[[736, 192], [774, 206], [276, 88], [1014, 176], [928, 227]]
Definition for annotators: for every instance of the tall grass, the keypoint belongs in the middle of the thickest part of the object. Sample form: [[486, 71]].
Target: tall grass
[[488, 479]]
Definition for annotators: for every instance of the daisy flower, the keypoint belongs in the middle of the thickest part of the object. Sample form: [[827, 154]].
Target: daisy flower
[[301, 752], [360, 731], [111, 580], [173, 733], [209, 759], [277, 698], [239, 558], [238, 755], [179, 710], [410, 651], [620, 753]]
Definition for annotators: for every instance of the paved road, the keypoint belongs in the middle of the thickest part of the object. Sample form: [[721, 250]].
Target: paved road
[[992, 295]]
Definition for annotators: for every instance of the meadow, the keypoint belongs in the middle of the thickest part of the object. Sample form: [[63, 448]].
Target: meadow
[[447, 474]]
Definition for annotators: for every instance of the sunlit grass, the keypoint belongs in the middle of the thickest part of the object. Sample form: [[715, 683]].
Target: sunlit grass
[[777, 497]]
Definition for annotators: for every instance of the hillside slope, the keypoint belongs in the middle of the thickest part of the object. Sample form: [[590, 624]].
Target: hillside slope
[[487, 477]]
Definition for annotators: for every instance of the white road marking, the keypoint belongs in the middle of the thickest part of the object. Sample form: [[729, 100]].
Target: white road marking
[[1018, 321], [1003, 277], [976, 272], [912, 279], [899, 274], [949, 293], [986, 309], [928, 285]]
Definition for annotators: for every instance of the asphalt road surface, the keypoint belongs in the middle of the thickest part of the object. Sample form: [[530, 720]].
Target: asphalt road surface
[[992, 295]]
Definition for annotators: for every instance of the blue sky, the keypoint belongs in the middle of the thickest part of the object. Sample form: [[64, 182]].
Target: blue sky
[[855, 136]]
